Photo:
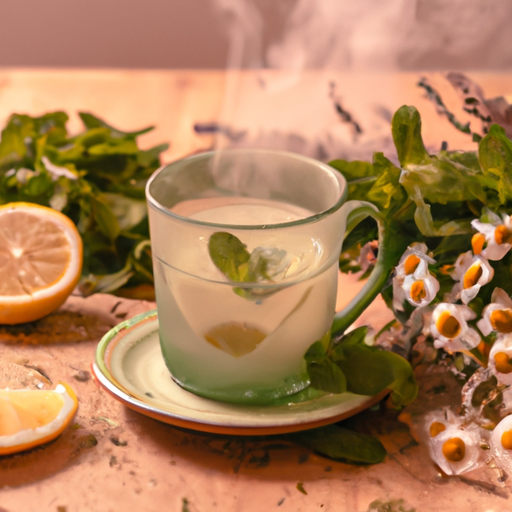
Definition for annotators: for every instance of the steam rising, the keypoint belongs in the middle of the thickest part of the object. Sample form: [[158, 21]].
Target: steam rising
[[339, 35], [368, 34], [284, 107], [245, 28]]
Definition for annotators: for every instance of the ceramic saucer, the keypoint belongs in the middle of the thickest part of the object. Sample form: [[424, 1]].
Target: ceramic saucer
[[129, 365]]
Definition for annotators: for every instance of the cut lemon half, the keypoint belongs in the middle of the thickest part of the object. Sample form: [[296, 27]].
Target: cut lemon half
[[40, 261], [29, 418]]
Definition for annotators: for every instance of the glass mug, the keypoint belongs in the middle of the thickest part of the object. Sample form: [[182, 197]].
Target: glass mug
[[243, 339]]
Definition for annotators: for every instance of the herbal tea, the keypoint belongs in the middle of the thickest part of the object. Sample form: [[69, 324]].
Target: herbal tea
[[245, 247], [237, 313]]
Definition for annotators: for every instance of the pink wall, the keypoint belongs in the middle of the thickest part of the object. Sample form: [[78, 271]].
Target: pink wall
[[111, 33], [369, 34]]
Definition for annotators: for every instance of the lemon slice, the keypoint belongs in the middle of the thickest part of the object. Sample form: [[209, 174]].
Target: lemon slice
[[40, 261], [29, 418]]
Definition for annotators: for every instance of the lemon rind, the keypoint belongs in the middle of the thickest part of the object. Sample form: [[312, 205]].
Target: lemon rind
[[28, 307], [28, 438], [72, 270]]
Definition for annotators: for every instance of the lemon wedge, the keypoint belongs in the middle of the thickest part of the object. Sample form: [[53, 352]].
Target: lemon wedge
[[29, 418], [40, 261]]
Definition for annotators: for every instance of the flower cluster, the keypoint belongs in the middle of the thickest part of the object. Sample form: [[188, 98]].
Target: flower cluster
[[494, 238], [460, 315], [413, 281]]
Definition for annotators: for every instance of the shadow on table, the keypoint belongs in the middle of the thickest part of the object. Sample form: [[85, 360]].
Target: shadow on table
[[45, 461], [265, 457]]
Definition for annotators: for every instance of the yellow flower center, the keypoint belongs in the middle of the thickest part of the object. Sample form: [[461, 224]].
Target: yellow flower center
[[477, 242], [418, 291], [501, 320], [506, 439], [446, 270], [502, 235], [411, 264], [503, 362], [436, 428], [454, 449], [448, 325], [472, 275]]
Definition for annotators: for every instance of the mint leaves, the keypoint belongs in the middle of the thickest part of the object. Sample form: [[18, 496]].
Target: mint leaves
[[263, 265], [323, 372], [337, 443], [97, 178], [230, 256], [348, 364]]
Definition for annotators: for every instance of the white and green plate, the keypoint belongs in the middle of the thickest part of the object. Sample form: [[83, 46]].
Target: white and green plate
[[129, 366]]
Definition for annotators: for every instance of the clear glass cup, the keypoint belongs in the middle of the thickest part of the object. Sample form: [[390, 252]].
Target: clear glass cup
[[243, 338]]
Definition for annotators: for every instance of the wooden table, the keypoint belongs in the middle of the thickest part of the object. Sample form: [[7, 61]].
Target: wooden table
[[115, 459]]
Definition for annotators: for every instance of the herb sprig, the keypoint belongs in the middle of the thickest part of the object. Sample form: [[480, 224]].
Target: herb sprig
[[427, 201], [428, 198], [349, 364], [230, 255], [97, 178]]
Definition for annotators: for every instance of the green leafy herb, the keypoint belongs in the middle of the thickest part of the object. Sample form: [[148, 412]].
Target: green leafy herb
[[349, 364], [230, 256], [233, 259], [427, 198], [90, 121], [97, 178], [323, 372], [337, 442]]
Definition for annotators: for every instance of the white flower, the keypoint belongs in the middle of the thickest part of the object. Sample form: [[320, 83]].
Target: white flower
[[472, 272], [501, 443], [493, 239], [413, 281], [500, 359], [414, 261], [454, 450], [439, 420], [450, 330], [420, 292], [497, 316]]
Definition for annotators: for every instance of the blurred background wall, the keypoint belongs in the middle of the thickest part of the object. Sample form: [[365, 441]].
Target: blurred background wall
[[374, 34], [111, 33]]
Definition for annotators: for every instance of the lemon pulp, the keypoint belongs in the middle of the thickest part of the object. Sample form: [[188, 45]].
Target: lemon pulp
[[29, 418], [34, 253], [40, 261]]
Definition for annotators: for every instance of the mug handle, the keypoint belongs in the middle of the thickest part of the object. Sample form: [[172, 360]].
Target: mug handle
[[390, 250]]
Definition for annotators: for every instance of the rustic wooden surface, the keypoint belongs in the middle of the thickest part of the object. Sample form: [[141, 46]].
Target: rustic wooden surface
[[114, 459]]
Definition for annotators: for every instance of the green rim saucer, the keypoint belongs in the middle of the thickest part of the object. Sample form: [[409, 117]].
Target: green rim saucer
[[129, 365]]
